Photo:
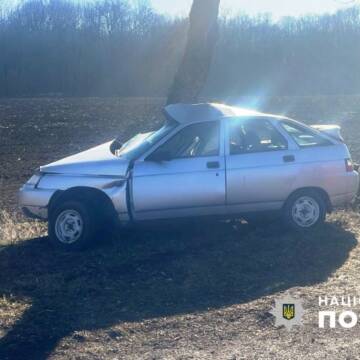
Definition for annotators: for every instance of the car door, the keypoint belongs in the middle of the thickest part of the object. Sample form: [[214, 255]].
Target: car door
[[185, 176], [261, 166]]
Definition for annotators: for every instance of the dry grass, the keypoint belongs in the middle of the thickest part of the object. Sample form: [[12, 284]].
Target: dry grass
[[14, 228], [177, 292]]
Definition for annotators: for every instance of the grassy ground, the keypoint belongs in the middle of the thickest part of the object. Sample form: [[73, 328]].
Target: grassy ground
[[194, 290]]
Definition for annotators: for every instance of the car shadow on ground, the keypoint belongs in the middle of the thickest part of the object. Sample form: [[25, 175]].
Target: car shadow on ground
[[155, 272]]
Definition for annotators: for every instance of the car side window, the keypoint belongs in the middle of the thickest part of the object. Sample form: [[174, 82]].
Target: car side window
[[304, 137], [254, 135], [196, 140]]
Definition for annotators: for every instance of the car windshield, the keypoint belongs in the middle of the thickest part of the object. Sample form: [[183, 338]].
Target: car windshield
[[141, 143]]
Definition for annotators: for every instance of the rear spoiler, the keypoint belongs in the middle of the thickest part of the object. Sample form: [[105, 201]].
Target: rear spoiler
[[333, 131]]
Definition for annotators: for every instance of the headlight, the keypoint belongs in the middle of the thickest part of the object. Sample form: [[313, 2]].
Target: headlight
[[35, 179]]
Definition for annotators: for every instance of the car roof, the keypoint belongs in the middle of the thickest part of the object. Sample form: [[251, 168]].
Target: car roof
[[188, 113]]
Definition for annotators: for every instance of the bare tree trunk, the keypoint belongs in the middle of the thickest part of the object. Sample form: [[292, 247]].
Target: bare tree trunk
[[194, 68]]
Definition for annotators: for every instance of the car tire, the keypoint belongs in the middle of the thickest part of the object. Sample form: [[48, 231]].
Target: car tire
[[305, 210], [72, 226]]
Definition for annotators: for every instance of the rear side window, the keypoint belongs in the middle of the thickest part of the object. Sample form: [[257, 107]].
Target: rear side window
[[304, 137], [254, 135]]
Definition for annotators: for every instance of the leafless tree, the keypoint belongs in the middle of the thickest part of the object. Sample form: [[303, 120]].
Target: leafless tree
[[194, 68], [111, 48]]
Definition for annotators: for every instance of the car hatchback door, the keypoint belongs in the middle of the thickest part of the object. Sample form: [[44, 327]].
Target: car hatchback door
[[184, 176]]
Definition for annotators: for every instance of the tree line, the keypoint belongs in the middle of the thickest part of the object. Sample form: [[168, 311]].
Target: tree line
[[113, 48]]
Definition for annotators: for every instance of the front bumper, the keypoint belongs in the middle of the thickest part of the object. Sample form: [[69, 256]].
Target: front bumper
[[34, 202]]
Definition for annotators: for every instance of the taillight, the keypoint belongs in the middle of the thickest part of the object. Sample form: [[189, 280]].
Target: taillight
[[349, 166]]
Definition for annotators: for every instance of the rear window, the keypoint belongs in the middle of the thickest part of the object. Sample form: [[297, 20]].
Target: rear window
[[304, 137]]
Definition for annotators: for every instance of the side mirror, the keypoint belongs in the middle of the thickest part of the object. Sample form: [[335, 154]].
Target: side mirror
[[159, 156], [115, 146]]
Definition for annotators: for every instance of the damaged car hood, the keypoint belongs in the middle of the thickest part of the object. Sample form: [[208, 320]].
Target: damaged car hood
[[97, 161]]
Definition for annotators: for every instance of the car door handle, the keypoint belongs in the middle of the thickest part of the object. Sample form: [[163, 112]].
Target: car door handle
[[213, 165], [289, 158]]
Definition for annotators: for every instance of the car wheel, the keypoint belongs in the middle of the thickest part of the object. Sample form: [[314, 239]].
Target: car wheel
[[305, 210], [72, 226]]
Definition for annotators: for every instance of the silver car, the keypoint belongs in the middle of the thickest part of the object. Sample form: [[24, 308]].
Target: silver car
[[207, 159]]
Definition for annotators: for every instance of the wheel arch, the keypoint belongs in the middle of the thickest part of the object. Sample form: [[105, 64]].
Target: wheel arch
[[88, 195], [319, 190]]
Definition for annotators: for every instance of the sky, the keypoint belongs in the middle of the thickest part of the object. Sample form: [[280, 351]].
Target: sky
[[278, 8]]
